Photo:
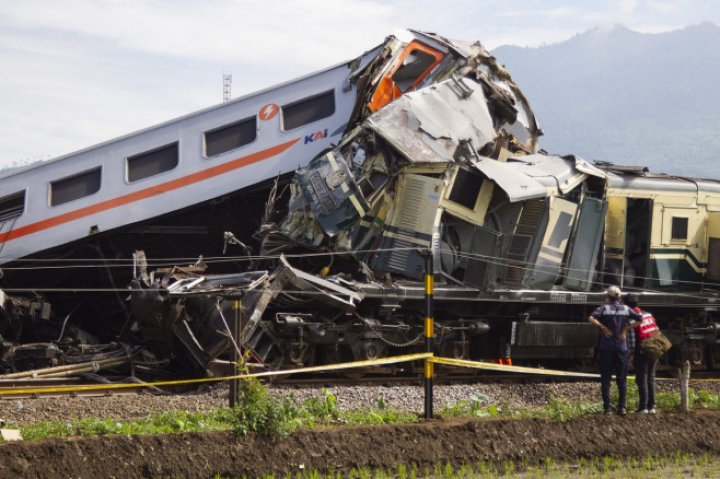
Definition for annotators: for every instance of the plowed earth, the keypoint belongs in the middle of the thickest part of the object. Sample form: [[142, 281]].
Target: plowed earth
[[339, 449]]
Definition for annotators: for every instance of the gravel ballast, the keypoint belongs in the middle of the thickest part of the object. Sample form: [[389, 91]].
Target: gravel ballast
[[400, 397]]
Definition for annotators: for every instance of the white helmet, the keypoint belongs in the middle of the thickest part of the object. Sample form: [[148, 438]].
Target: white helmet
[[613, 292]]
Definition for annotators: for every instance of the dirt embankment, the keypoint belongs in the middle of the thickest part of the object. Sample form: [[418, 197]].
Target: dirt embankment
[[455, 441]]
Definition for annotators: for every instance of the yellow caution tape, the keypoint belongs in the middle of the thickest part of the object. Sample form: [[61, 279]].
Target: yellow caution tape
[[329, 367], [179, 382], [511, 369]]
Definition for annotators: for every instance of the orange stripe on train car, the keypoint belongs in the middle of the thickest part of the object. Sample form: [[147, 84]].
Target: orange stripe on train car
[[147, 192]]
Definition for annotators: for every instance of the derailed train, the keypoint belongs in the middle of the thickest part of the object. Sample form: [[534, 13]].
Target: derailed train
[[523, 243], [522, 250], [438, 155]]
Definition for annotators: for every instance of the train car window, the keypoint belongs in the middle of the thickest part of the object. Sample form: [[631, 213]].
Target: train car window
[[466, 189], [152, 162], [308, 110], [75, 187], [229, 137], [679, 228], [413, 66], [713, 269], [12, 206]]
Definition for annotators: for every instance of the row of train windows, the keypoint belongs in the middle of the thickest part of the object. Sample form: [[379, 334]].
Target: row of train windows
[[151, 163]]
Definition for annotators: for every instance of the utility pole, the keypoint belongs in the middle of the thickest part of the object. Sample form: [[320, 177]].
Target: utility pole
[[237, 358], [429, 333]]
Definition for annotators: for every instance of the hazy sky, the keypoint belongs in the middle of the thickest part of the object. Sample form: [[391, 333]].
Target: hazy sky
[[77, 72]]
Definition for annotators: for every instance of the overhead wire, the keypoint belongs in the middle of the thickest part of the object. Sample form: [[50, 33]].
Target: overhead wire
[[495, 260]]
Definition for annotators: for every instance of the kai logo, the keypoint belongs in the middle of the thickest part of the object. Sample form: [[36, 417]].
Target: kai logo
[[319, 135], [268, 112]]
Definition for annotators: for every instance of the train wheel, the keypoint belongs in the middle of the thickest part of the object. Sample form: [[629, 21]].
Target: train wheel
[[342, 354]]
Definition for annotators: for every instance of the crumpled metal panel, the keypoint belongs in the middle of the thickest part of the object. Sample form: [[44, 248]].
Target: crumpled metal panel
[[586, 167], [427, 126], [517, 186], [324, 290], [525, 126], [549, 170], [330, 190]]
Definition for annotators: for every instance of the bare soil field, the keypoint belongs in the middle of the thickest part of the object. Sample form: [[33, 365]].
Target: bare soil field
[[339, 449]]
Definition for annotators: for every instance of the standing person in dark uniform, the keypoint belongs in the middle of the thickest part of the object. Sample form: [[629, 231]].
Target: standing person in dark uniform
[[612, 319], [644, 364]]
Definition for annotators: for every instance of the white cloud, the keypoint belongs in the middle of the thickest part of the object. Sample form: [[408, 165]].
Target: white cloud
[[82, 71]]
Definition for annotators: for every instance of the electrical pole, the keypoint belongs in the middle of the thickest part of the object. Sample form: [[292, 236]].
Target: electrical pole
[[227, 87]]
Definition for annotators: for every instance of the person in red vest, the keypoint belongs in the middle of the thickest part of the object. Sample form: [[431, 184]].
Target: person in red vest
[[644, 364]]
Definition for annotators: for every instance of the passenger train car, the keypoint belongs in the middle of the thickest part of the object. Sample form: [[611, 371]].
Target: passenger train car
[[420, 146], [193, 186]]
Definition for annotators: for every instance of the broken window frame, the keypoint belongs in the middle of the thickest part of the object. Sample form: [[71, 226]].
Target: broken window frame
[[386, 90], [476, 213], [419, 56]]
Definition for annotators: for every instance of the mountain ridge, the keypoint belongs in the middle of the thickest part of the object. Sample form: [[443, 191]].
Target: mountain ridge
[[617, 95]]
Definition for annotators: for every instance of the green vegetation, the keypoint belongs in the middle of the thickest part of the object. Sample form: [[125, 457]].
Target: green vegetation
[[679, 465], [259, 412], [561, 409], [265, 414]]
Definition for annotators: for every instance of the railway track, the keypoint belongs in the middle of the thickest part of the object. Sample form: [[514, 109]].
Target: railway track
[[38, 385]]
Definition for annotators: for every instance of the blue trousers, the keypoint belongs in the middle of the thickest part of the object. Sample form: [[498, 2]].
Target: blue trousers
[[645, 379], [613, 361]]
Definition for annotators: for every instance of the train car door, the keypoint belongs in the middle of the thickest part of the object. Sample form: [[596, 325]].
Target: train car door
[[638, 228], [583, 251], [614, 239], [548, 262], [713, 251]]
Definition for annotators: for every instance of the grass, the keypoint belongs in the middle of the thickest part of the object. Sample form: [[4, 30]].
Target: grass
[[265, 414], [561, 409], [678, 465], [259, 412]]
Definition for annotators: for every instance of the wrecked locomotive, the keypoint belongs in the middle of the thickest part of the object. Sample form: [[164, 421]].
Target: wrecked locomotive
[[437, 153], [523, 243]]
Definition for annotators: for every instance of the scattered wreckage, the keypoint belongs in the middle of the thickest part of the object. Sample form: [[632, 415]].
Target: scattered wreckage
[[439, 155], [520, 240]]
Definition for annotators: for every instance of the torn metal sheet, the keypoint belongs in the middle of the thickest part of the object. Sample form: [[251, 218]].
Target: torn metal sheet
[[549, 170], [522, 124], [325, 291], [517, 186], [218, 283], [332, 194], [427, 126], [586, 167]]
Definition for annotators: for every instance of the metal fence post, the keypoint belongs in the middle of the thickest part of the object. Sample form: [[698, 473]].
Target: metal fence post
[[429, 332], [235, 383], [684, 386]]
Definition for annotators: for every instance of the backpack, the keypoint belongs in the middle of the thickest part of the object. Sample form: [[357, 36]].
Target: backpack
[[656, 345]]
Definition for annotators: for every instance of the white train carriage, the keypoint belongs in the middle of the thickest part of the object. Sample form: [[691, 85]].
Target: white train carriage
[[223, 149], [176, 164], [226, 148]]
